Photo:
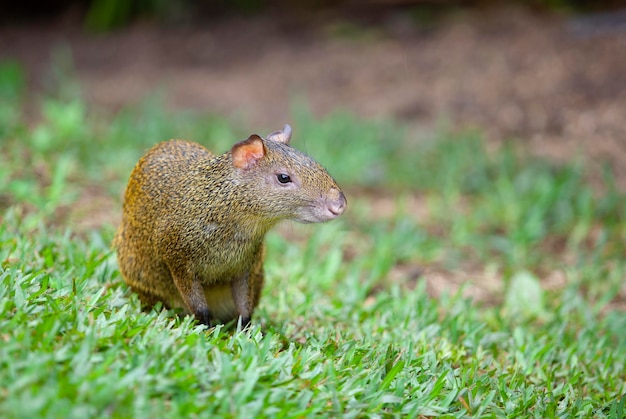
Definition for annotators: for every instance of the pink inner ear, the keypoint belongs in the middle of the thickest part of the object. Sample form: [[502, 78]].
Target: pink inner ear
[[247, 153]]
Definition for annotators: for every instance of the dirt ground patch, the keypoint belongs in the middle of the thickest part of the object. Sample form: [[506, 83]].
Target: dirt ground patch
[[556, 83]]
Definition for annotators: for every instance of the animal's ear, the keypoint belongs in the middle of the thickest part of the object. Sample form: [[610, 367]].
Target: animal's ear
[[248, 152], [281, 136]]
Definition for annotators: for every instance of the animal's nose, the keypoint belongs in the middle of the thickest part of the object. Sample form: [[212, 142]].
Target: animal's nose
[[338, 206]]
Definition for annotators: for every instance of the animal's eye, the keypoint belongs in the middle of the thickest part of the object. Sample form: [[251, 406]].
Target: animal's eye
[[283, 178]]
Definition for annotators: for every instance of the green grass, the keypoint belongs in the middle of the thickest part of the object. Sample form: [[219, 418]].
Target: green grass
[[347, 325]]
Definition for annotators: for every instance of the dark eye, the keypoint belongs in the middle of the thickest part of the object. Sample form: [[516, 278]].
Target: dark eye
[[283, 178]]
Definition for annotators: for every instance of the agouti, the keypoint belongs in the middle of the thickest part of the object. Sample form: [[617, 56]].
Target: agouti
[[193, 223]]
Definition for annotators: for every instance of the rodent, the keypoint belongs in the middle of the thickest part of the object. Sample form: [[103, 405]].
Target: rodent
[[193, 223]]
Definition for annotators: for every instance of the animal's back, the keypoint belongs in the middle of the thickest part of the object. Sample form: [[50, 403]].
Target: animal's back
[[155, 184]]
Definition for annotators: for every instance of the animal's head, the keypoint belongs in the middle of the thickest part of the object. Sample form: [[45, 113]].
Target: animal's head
[[291, 185]]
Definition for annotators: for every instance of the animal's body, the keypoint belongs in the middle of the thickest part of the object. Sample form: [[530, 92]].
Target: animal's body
[[193, 222]]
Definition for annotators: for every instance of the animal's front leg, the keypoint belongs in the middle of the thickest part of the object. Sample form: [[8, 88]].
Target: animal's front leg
[[242, 296], [192, 293]]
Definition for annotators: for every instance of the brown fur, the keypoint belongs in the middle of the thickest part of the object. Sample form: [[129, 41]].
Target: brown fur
[[193, 223]]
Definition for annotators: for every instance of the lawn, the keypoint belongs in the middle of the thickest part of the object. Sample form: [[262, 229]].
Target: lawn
[[464, 280]]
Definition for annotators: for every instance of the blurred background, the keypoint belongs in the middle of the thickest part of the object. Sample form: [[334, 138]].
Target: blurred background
[[549, 73], [476, 140]]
